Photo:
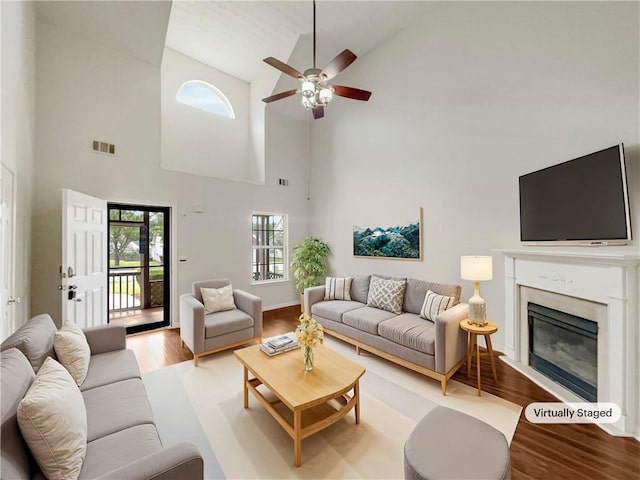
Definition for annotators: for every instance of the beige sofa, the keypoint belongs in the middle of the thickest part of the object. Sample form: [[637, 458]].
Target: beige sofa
[[434, 348], [122, 440]]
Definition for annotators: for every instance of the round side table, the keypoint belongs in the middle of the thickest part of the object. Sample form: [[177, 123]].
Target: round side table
[[473, 331]]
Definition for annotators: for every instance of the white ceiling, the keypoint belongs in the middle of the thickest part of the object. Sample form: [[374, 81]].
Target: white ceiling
[[136, 27], [234, 35]]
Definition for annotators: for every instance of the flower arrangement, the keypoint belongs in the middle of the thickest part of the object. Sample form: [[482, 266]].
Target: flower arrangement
[[309, 334]]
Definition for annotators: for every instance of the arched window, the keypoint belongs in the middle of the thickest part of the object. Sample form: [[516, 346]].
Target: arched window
[[204, 96]]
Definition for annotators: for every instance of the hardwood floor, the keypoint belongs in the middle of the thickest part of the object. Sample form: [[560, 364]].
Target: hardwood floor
[[538, 451]]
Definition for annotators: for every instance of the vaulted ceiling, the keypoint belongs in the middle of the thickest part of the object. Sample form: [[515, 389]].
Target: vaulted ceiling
[[232, 36], [138, 28], [235, 36]]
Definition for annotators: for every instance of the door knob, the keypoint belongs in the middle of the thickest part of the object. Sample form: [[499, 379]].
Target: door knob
[[12, 300]]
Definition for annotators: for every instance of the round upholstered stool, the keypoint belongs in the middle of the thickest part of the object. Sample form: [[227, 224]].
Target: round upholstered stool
[[447, 444]]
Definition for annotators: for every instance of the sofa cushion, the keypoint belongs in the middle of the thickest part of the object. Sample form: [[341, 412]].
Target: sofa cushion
[[337, 288], [411, 331], [434, 305], [53, 422], [116, 406], [386, 294], [360, 288], [72, 350], [220, 323], [366, 318], [113, 451], [334, 309], [110, 367], [218, 299], [16, 376], [34, 339], [417, 290]]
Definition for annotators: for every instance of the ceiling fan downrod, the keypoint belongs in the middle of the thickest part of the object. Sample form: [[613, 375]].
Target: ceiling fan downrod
[[314, 34]]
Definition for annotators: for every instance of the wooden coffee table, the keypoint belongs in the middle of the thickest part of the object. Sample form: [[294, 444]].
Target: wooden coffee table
[[317, 399]]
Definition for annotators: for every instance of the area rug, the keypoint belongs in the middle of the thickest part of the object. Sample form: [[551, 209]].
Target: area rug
[[204, 405]]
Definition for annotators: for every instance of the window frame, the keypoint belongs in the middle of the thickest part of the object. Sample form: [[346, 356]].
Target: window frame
[[230, 111], [283, 247]]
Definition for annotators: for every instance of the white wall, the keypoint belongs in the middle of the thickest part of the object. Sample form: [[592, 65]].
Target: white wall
[[200, 142], [87, 91], [18, 131], [464, 101]]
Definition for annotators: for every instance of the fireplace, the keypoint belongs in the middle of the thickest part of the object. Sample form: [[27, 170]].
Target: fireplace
[[564, 347], [598, 286]]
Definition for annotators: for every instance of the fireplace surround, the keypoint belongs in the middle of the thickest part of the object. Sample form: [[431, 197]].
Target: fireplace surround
[[599, 285]]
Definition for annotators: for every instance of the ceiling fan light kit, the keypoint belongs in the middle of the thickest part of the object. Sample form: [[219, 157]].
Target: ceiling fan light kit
[[315, 89]]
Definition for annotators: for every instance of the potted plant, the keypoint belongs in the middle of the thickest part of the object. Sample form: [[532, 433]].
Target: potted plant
[[308, 264]]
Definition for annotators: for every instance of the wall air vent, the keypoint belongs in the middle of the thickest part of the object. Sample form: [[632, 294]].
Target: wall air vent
[[103, 147]]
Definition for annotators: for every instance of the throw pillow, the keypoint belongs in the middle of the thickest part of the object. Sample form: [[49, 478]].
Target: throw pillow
[[435, 304], [337, 288], [53, 421], [73, 351], [386, 294], [34, 339], [218, 299]]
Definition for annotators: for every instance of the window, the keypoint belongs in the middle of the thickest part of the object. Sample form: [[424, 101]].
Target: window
[[204, 96], [269, 244]]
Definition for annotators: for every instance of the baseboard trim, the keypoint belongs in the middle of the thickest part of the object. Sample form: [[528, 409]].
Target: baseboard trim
[[280, 305]]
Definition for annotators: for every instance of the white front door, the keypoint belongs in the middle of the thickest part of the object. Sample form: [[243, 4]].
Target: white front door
[[84, 259], [7, 254]]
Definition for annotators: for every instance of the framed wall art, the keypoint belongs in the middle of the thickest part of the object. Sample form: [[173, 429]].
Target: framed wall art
[[399, 240]]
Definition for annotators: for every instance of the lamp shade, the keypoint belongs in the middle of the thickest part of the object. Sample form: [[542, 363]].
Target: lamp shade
[[476, 268], [325, 95], [308, 88]]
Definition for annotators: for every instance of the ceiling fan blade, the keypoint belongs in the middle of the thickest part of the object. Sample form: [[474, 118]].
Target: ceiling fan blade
[[280, 95], [338, 64], [283, 67], [350, 92], [318, 112]]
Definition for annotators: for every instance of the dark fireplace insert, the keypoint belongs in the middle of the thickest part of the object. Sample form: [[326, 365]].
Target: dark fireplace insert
[[564, 348]]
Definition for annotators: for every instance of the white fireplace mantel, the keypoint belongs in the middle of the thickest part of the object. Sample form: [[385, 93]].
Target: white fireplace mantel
[[608, 277]]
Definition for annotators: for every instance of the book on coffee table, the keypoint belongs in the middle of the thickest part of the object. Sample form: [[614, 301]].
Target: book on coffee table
[[279, 344]]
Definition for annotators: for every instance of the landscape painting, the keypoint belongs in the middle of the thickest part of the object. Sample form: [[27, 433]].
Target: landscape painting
[[402, 240]]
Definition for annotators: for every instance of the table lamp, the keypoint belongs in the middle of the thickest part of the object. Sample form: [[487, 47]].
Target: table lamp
[[476, 268]]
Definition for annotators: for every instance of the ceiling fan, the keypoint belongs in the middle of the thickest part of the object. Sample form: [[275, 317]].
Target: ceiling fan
[[315, 89]]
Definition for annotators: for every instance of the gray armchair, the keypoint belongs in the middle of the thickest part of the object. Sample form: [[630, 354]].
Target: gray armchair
[[213, 332]]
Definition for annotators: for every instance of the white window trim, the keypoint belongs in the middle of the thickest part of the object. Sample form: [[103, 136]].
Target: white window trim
[[284, 247]]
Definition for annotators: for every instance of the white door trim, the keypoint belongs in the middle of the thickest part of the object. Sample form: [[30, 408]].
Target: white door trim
[[8, 296]]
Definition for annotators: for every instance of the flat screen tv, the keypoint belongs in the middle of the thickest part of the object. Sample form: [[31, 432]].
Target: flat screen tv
[[581, 201]]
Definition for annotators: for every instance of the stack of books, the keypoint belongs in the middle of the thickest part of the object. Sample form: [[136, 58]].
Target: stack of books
[[279, 344]]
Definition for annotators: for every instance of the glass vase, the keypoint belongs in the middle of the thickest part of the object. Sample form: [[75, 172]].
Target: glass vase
[[308, 358]]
